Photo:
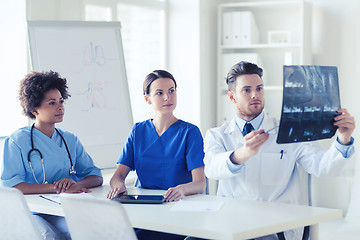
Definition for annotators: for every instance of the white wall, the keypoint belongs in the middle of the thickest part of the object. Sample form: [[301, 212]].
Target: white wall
[[54, 10], [13, 63], [183, 56], [208, 61], [336, 27]]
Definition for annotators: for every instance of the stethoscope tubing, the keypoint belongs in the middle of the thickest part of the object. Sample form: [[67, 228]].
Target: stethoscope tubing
[[33, 149]]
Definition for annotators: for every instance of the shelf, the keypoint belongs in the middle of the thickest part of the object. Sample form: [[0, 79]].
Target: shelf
[[260, 4], [275, 33], [260, 46]]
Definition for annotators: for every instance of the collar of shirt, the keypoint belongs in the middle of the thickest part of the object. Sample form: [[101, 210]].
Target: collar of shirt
[[256, 122]]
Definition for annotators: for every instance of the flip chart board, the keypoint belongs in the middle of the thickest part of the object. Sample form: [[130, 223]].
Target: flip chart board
[[90, 56]]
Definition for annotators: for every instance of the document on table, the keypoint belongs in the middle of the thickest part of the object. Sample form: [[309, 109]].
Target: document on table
[[197, 206], [55, 198]]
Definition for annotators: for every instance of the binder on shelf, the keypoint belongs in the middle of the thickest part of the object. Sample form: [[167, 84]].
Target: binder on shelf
[[237, 28], [226, 27], [244, 29], [250, 33]]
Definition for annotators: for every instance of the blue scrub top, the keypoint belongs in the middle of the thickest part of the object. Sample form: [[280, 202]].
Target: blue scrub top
[[56, 159], [165, 161]]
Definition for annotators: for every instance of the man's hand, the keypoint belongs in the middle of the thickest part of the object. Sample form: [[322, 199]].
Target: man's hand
[[346, 125], [252, 143]]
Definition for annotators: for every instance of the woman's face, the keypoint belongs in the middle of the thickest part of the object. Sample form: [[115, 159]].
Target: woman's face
[[51, 109], [162, 95]]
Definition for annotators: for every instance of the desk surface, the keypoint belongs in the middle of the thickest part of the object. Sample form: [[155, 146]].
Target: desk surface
[[237, 219]]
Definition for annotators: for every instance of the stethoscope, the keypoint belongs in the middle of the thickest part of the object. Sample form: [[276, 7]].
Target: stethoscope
[[72, 170]]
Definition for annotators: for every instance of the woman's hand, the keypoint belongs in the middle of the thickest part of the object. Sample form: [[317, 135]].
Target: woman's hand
[[196, 186], [117, 182], [68, 185], [175, 193], [63, 185], [118, 188], [77, 188]]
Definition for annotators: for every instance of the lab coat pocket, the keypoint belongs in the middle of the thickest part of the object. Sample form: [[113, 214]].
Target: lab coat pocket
[[273, 168]]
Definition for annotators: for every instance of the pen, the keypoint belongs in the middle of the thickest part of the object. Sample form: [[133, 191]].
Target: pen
[[267, 131], [272, 129], [49, 199]]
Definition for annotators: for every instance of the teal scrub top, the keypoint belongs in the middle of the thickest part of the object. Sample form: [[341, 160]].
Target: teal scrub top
[[165, 161], [56, 159]]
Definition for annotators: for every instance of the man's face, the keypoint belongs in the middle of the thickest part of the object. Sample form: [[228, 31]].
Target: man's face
[[248, 96]]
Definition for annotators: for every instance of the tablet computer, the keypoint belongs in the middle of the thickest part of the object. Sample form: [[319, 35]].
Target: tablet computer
[[152, 199]]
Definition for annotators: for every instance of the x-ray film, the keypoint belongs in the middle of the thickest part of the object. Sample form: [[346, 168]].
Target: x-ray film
[[310, 100]]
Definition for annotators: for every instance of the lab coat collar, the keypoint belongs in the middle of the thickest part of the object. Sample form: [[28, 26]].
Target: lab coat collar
[[266, 124], [232, 127]]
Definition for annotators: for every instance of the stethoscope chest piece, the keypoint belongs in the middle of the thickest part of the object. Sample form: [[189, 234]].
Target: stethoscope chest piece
[[72, 171]]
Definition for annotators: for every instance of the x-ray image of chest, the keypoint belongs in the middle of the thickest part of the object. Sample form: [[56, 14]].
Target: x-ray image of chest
[[310, 100]]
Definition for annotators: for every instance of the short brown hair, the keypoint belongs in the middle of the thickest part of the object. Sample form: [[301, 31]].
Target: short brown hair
[[239, 69]]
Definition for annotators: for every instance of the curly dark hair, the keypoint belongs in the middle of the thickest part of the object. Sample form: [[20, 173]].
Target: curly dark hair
[[34, 86]]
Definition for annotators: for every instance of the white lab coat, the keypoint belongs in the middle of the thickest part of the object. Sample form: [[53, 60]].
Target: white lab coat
[[275, 174]]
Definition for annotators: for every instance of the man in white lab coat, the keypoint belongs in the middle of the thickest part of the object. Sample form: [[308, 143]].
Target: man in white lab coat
[[248, 162]]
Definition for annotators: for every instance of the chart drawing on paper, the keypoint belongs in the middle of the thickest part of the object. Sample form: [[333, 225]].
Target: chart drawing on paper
[[90, 56], [310, 101]]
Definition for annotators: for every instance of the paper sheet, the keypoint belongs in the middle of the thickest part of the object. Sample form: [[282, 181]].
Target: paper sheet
[[197, 206], [55, 198]]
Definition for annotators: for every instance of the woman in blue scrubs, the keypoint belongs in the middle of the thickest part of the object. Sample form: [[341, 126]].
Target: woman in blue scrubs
[[43, 159], [166, 152]]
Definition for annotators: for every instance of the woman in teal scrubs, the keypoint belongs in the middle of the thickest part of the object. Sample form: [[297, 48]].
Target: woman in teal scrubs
[[166, 152], [43, 159]]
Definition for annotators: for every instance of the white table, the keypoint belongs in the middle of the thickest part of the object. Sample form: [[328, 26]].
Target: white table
[[237, 219]]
